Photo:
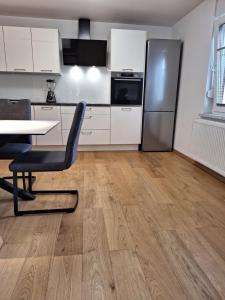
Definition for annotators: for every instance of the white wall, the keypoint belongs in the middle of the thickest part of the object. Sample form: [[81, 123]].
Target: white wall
[[195, 30], [74, 85], [220, 9]]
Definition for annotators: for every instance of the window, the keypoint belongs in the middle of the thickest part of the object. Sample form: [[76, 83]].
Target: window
[[215, 95], [220, 62]]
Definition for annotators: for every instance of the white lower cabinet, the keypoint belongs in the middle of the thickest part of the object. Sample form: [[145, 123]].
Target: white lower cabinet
[[95, 128], [65, 134], [101, 125], [90, 121], [34, 138], [90, 137], [53, 137], [94, 137], [126, 125]]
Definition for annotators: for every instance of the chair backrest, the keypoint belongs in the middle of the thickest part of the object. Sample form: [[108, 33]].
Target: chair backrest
[[15, 110], [73, 139]]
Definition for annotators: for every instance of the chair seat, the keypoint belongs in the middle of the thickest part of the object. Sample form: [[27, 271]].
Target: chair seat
[[39, 161], [12, 150]]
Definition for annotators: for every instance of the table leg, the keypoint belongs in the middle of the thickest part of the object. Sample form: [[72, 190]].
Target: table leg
[[24, 195]]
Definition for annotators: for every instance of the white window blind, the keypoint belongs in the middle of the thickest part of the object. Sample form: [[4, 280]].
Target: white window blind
[[220, 47]]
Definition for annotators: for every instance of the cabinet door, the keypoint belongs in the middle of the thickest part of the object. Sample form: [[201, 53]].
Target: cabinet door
[[54, 136], [18, 49], [45, 43], [90, 121], [128, 49], [97, 110], [94, 137], [2, 51], [90, 137], [126, 125]]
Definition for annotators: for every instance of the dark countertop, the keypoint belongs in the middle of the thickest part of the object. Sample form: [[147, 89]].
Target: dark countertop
[[66, 104], [74, 104]]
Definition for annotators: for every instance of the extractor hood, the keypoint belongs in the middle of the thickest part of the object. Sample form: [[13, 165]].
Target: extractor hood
[[84, 51]]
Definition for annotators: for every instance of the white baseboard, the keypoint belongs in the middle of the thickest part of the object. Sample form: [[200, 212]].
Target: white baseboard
[[91, 148], [108, 148]]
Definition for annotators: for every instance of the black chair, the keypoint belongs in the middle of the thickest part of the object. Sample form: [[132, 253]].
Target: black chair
[[47, 161], [13, 145]]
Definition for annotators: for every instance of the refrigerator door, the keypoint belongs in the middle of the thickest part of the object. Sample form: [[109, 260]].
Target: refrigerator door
[[162, 71], [158, 130]]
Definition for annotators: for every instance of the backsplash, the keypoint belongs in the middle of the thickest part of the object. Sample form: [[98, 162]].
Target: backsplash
[[75, 84]]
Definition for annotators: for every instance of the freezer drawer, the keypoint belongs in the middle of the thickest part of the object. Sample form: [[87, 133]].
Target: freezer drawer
[[158, 131]]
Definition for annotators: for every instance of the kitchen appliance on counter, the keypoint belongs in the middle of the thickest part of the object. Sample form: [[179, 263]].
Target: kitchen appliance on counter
[[160, 97], [51, 88], [126, 88]]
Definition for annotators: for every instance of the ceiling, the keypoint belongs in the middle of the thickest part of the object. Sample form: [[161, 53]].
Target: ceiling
[[151, 12]]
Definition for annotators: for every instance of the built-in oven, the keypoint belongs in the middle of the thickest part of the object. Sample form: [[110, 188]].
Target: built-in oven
[[126, 88]]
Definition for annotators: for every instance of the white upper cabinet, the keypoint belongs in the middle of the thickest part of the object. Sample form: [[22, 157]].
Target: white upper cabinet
[[126, 125], [29, 50], [18, 49], [45, 43], [2, 51], [127, 50]]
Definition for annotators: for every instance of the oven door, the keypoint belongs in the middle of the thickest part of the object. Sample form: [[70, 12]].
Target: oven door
[[126, 91]]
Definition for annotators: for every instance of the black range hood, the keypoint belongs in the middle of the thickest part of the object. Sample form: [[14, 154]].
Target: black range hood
[[84, 51]]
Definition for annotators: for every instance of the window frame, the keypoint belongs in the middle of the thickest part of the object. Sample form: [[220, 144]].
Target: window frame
[[217, 107]]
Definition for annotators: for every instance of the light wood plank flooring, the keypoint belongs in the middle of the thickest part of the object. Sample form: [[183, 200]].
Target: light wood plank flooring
[[148, 226]]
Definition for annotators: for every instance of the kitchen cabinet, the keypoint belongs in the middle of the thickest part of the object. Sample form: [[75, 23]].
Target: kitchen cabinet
[[45, 44], [126, 125], [95, 128], [2, 51], [34, 137], [97, 110], [54, 137], [127, 50], [94, 137], [89, 122], [101, 125], [18, 49]]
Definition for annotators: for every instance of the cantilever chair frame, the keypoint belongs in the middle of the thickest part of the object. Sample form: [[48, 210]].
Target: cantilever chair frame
[[18, 212], [70, 157]]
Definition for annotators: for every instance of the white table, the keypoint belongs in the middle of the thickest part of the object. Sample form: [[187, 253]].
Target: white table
[[26, 127], [29, 127]]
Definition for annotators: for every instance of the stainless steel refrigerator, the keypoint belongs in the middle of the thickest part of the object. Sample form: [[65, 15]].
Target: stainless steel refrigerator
[[160, 98]]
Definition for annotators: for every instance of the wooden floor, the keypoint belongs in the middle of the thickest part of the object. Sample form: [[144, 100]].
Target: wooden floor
[[148, 226]]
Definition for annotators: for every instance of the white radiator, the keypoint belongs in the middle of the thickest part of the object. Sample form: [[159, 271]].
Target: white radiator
[[208, 144]]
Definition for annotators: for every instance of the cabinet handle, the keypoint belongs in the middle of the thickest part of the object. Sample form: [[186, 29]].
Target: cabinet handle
[[128, 70], [88, 108], [88, 117], [126, 109], [47, 108], [126, 79], [46, 71], [86, 132], [19, 69]]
